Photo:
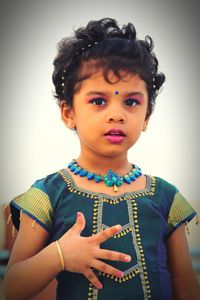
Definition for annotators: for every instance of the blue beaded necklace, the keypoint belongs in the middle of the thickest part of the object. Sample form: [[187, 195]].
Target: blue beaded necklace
[[110, 179]]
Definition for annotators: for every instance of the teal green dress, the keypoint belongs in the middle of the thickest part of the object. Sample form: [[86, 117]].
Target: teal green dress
[[147, 217]]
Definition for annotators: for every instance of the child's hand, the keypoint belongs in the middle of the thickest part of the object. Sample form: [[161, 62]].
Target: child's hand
[[81, 254]]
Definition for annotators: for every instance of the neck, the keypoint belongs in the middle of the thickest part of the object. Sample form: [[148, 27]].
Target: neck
[[101, 165]]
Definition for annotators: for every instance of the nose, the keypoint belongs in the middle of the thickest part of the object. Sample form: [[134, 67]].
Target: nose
[[115, 117]]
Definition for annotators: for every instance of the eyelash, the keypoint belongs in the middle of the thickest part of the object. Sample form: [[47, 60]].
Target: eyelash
[[137, 102], [132, 100], [95, 100]]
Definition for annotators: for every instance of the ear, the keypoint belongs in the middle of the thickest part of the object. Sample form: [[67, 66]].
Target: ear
[[67, 115], [145, 124]]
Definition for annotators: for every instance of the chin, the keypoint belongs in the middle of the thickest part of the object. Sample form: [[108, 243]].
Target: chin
[[115, 152]]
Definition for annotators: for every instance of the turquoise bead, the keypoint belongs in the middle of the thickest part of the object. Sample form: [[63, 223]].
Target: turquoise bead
[[77, 171], [127, 179], [114, 179], [97, 178], [132, 176], [119, 183], [83, 173], [108, 183], [72, 168], [90, 176], [71, 163]]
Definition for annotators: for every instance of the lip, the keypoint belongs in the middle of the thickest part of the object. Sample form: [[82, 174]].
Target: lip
[[115, 135], [115, 131]]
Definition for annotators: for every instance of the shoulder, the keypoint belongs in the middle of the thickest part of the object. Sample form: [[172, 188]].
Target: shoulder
[[48, 183], [39, 201], [164, 190], [179, 210], [164, 193], [48, 189]]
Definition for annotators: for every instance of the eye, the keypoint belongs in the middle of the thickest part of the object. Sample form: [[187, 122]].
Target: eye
[[132, 102], [98, 101]]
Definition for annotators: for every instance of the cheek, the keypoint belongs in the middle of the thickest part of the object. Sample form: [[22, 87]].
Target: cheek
[[136, 123], [87, 118], [84, 123]]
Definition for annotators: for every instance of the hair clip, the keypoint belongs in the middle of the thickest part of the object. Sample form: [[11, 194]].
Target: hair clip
[[88, 46], [77, 53], [153, 80], [63, 81]]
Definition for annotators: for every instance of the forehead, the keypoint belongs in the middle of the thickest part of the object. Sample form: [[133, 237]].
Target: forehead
[[111, 81], [97, 68]]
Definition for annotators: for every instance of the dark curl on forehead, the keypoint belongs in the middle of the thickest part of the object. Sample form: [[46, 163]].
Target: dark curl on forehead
[[104, 45]]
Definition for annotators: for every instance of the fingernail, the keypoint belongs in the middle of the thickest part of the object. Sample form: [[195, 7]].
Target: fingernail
[[118, 227], [127, 258], [100, 286], [78, 214], [120, 274]]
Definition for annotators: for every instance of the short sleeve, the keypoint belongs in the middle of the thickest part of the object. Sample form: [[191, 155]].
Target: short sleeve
[[180, 212], [36, 204]]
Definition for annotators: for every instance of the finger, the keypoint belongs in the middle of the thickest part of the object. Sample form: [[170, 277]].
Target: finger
[[113, 255], [80, 223], [90, 275], [105, 268], [104, 235]]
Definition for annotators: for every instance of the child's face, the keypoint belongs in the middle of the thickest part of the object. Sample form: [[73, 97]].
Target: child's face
[[108, 117]]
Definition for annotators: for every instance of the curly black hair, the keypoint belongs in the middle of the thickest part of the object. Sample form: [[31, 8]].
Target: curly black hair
[[104, 45]]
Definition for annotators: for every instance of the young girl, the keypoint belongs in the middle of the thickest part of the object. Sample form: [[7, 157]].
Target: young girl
[[100, 226]]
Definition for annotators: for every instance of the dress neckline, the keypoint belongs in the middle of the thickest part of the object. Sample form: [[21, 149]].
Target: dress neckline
[[149, 188]]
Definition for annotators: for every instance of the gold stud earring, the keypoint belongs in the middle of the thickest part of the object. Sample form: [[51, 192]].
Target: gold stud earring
[[145, 127], [70, 125]]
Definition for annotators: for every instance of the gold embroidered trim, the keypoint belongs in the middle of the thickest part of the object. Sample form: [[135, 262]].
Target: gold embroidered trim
[[38, 204], [74, 189], [132, 227], [97, 209], [20, 215], [110, 200], [187, 227], [179, 210], [138, 247], [122, 232], [96, 227], [127, 276], [92, 293]]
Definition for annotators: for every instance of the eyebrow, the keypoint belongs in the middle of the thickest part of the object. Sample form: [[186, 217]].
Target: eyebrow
[[135, 93]]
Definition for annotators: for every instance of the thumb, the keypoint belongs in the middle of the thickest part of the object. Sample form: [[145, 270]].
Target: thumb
[[80, 223]]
